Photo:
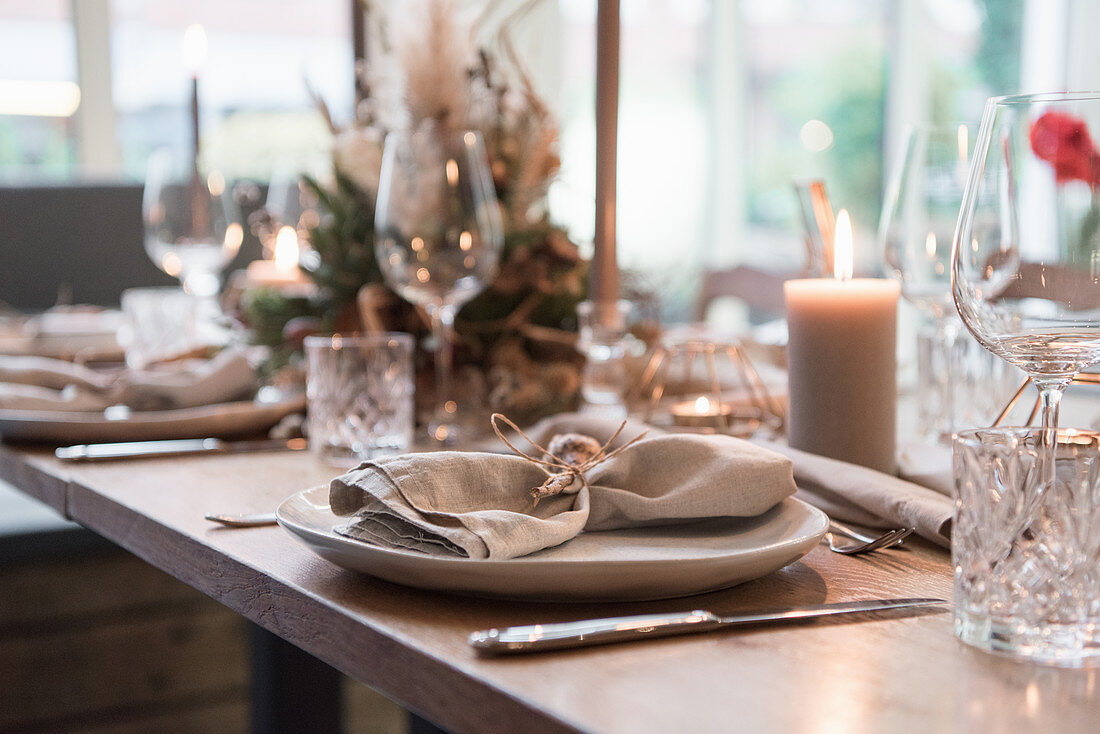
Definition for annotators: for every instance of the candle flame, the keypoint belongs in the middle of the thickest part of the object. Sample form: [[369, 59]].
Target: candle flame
[[930, 245], [452, 171], [842, 247], [215, 183], [964, 139], [234, 236], [702, 405], [194, 48], [286, 249]]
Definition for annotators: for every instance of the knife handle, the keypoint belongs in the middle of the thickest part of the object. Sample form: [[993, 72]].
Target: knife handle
[[128, 449], [537, 637]]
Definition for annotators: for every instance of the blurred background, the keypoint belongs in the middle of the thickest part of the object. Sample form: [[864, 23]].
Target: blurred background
[[724, 102]]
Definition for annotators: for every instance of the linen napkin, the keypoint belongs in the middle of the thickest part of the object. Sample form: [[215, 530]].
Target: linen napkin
[[847, 492], [63, 332], [39, 383], [867, 497], [479, 505]]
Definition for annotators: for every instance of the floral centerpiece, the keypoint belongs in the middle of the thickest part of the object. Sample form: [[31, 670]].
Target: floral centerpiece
[[516, 339]]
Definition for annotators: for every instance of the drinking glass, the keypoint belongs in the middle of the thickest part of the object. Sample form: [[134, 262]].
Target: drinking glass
[[438, 239], [157, 324], [359, 391], [1026, 255], [192, 229], [918, 221], [1025, 551]]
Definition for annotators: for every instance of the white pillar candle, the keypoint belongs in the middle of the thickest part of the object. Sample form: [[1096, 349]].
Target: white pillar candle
[[841, 363]]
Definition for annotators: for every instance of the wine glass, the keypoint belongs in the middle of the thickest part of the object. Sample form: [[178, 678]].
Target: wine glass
[[920, 212], [918, 221], [192, 229], [438, 238], [1026, 253]]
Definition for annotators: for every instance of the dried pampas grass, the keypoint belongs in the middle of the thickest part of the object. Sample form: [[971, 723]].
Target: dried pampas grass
[[436, 58]]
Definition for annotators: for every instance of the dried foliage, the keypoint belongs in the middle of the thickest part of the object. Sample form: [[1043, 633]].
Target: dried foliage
[[429, 69]]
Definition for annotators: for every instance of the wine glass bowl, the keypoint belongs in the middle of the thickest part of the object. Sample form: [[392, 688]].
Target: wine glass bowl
[[1026, 253], [438, 237], [191, 226], [959, 385], [920, 211]]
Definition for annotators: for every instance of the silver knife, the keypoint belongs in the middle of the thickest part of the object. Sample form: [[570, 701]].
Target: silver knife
[[539, 637], [175, 447]]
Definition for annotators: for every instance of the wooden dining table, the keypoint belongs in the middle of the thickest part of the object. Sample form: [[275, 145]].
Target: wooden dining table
[[883, 672]]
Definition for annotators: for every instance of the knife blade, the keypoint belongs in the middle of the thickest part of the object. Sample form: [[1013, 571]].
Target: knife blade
[[174, 447], [556, 636]]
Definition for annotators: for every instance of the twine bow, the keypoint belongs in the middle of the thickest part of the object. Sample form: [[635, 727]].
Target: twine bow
[[562, 471]]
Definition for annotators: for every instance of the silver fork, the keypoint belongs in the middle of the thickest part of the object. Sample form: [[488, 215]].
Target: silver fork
[[888, 538], [836, 526]]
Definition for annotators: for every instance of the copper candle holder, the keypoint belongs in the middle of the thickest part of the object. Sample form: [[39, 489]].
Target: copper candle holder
[[1085, 378], [704, 406]]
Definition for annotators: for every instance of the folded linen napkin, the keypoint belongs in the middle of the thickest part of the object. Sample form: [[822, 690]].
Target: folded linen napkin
[[847, 492], [864, 496], [38, 383], [479, 505]]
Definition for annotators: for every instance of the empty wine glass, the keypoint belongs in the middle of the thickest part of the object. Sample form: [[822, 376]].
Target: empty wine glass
[[1026, 255], [192, 229], [920, 212], [918, 221], [438, 238]]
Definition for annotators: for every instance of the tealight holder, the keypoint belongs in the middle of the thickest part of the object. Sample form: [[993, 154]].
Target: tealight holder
[[1084, 378], [683, 380]]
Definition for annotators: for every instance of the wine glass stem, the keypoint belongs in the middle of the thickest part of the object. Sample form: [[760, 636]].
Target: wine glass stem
[[443, 327], [1050, 399]]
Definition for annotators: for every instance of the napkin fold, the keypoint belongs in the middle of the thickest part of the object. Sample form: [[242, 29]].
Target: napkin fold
[[40, 383], [863, 496], [478, 505], [847, 492]]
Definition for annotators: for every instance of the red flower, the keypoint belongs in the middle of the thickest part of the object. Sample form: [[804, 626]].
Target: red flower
[[1064, 142]]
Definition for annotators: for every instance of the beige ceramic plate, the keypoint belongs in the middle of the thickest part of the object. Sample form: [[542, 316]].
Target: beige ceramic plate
[[224, 420], [621, 565]]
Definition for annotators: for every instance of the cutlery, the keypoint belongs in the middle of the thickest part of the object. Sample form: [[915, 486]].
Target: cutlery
[[175, 447], [243, 521], [540, 637], [890, 537], [835, 526]]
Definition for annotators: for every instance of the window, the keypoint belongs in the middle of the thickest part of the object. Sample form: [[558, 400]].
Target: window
[[38, 91], [262, 58], [723, 102]]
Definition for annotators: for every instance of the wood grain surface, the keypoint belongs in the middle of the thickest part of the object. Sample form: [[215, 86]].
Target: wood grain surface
[[898, 673]]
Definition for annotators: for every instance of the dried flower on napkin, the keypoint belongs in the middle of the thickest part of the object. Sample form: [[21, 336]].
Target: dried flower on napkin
[[566, 459]]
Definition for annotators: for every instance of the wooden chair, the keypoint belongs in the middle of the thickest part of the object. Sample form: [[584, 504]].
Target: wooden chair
[[1052, 282], [761, 290]]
